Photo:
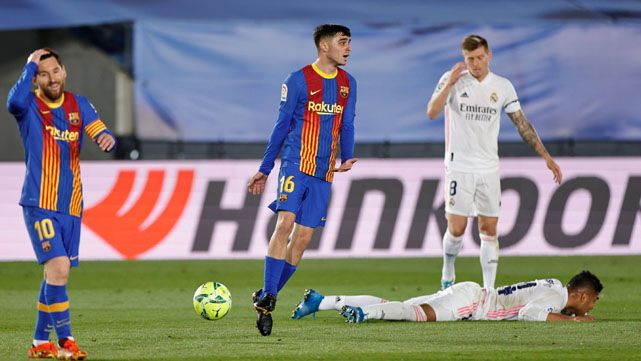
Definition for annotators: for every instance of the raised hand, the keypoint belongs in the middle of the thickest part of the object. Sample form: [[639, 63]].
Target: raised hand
[[456, 72], [36, 55]]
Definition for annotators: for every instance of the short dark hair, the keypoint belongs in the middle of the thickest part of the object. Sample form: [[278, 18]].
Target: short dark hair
[[51, 54], [585, 279], [329, 30], [473, 42]]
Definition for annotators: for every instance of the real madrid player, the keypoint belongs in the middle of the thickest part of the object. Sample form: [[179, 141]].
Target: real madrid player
[[316, 117], [538, 300], [473, 98]]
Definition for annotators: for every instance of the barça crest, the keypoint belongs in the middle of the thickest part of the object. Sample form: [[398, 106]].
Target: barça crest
[[46, 246], [344, 91], [74, 118], [283, 198]]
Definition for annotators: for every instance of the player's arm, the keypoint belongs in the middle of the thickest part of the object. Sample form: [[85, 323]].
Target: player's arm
[[547, 308], [437, 103], [530, 136], [99, 134], [553, 316], [18, 100], [94, 128], [347, 131], [288, 101]]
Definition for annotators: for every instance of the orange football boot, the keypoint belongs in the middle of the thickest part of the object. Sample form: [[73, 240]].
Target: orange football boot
[[69, 350], [45, 350]]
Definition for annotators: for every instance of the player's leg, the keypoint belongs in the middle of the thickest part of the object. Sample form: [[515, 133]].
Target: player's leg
[[42, 347], [56, 277], [277, 252], [58, 272], [313, 301], [459, 302], [265, 299], [459, 195], [46, 239], [301, 236], [290, 191], [392, 311], [311, 214], [489, 257], [488, 203], [452, 242]]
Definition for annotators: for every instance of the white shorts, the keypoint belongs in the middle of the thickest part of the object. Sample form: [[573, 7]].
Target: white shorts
[[459, 302], [473, 194]]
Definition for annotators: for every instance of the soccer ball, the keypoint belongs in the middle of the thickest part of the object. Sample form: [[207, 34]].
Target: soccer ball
[[212, 301]]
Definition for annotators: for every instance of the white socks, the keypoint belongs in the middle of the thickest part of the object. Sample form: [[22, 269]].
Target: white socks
[[451, 248], [397, 311], [337, 302], [489, 259]]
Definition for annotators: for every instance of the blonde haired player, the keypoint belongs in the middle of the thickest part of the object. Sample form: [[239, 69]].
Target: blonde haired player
[[473, 98]]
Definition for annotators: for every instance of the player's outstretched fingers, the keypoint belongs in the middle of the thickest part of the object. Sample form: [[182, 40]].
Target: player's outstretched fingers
[[347, 165]]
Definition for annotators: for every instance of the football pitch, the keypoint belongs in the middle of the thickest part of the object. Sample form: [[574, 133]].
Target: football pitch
[[142, 310]]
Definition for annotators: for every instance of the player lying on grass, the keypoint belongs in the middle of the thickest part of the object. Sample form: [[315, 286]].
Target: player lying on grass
[[538, 300]]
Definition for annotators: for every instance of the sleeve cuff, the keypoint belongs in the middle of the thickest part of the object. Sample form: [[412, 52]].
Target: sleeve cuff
[[95, 128]]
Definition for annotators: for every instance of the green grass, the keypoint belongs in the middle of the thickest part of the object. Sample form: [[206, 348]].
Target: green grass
[[143, 311]]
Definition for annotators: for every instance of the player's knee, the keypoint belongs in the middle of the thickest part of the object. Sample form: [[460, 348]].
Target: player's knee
[[429, 312], [285, 223], [57, 271], [456, 230], [456, 225], [487, 227]]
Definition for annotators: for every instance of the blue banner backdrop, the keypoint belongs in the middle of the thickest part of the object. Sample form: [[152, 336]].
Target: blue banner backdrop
[[220, 81]]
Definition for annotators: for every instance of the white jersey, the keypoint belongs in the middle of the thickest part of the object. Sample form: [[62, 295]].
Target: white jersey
[[526, 301], [472, 121]]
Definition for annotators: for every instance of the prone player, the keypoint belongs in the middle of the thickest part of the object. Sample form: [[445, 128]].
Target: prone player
[[538, 300]]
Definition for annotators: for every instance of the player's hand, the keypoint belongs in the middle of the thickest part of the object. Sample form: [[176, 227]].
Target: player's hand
[[584, 318], [346, 166], [106, 142], [36, 55], [456, 72], [556, 170], [256, 184]]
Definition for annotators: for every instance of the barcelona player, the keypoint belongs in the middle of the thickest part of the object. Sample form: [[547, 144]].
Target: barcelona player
[[316, 115], [51, 122]]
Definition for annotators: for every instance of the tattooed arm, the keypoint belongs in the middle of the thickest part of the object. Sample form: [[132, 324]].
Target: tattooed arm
[[529, 135]]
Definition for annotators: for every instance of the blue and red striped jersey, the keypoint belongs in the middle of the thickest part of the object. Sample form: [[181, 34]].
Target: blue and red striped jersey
[[52, 135], [316, 114]]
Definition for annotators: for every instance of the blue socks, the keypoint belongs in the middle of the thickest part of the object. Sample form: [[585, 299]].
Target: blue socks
[[57, 306], [288, 272], [273, 270], [277, 273], [43, 321]]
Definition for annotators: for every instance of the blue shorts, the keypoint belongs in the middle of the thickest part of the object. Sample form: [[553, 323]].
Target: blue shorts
[[303, 195], [53, 234]]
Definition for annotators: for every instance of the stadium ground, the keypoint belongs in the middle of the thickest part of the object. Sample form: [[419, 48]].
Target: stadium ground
[[142, 311]]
